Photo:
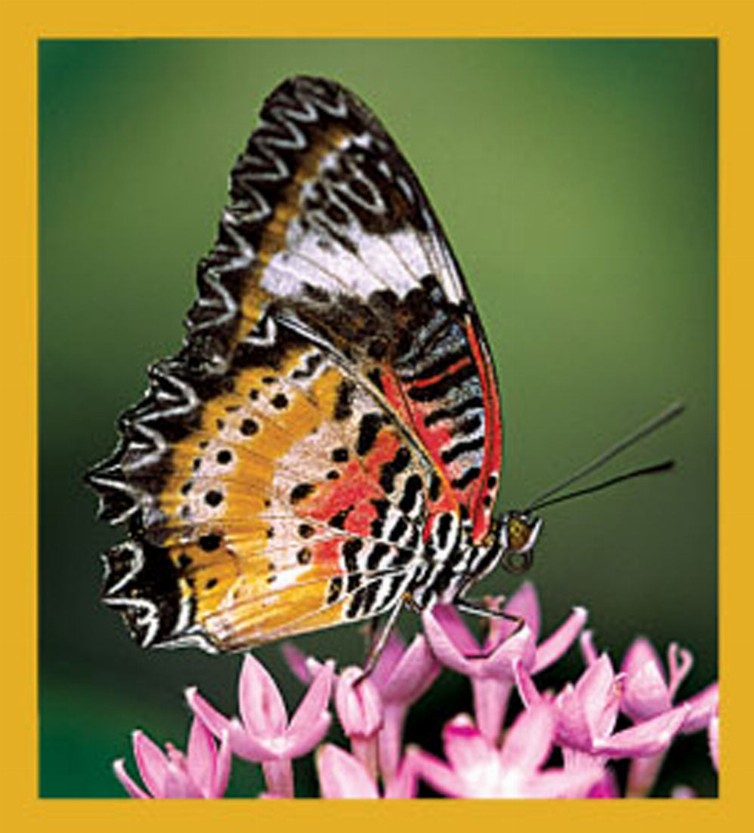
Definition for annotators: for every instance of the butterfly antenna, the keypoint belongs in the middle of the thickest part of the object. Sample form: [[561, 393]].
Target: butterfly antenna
[[548, 498]]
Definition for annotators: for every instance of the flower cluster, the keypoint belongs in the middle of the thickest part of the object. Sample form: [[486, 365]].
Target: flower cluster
[[560, 745]]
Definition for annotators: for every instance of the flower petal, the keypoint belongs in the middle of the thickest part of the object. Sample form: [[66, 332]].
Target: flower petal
[[388, 660], [639, 653], [434, 772], [246, 746], [465, 747], [498, 664], [411, 675], [152, 763], [522, 604], [201, 755], [297, 661], [179, 785], [525, 685], [358, 704], [586, 645], [529, 740], [131, 787], [260, 701], [680, 661], [314, 703], [342, 776], [560, 641], [302, 742], [451, 641], [525, 603], [702, 707], [599, 696], [557, 783], [208, 714], [573, 729], [645, 693], [222, 768], [648, 738], [390, 740], [643, 774]]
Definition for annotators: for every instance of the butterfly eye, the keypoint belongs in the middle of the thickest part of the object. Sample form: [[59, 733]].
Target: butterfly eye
[[518, 536], [521, 532]]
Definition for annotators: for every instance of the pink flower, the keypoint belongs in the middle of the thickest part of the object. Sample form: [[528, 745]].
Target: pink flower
[[476, 768], [201, 773], [648, 692], [343, 776], [403, 674], [400, 676], [576, 730], [264, 733], [587, 712], [359, 708], [490, 667]]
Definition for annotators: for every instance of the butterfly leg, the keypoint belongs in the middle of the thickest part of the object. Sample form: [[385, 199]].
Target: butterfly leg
[[380, 639], [369, 631], [476, 609]]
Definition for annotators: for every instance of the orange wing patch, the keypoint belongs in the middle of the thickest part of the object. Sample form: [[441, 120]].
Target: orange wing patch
[[222, 473], [283, 471]]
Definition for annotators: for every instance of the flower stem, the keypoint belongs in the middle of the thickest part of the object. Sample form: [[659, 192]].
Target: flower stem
[[279, 777]]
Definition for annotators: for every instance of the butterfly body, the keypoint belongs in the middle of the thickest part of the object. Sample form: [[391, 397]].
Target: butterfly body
[[327, 442]]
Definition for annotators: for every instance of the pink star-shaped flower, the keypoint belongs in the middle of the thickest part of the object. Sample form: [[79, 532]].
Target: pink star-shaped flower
[[264, 734], [490, 666], [359, 708], [201, 773], [379, 702], [648, 692], [587, 712], [476, 768]]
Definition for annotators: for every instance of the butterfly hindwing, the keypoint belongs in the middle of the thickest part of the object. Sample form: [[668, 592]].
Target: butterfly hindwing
[[296, 500], [333, 399]]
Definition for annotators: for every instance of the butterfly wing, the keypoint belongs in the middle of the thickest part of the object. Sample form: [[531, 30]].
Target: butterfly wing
[[295, 501], [333, 399]]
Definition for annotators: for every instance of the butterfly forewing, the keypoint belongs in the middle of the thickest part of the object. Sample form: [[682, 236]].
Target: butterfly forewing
[[334, 398]]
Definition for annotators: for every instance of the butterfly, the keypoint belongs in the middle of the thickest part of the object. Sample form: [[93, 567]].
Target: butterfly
[[326, 445]]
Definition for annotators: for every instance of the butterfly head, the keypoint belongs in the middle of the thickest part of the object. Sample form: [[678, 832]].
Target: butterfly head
[[517, 534]]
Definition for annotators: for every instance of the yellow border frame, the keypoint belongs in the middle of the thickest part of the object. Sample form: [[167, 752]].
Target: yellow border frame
[[23, 23]]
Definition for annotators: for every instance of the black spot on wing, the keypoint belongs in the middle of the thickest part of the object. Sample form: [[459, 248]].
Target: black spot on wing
[[378, 552], [300, 492], [468, 477], [460, 448], [343, 403], [411, 491], [368, 429], [391, 468], [350, 550]]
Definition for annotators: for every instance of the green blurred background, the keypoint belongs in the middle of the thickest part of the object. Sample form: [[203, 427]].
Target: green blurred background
[[577, 183]]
